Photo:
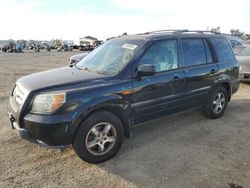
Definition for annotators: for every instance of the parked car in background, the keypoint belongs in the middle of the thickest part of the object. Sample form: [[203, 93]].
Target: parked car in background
[[59, 49], [37, 48], [13, 46], [76, 58], [244, 59], [122, 84], [67, 47], [4, 48], [97, 43], [18, 48], [237, 43], [47, 48], [86, 46]]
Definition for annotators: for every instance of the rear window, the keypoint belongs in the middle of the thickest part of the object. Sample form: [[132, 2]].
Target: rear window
[[223, 49]]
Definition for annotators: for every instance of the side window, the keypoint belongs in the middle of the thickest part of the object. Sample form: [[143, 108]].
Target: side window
[[208, 52], [193, 52], [163, 55], [223, 49]]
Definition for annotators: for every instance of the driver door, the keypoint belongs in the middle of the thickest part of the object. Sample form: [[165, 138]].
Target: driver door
[[162, 92]]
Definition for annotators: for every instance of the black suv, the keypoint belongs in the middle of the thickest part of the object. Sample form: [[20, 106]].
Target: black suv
[[123, 83]]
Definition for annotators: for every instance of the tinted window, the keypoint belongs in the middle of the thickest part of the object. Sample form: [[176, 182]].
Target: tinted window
[[223, 49], [193, 52], [163, 55]]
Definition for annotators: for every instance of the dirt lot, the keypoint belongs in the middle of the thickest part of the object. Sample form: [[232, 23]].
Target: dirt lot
[[185, 150]]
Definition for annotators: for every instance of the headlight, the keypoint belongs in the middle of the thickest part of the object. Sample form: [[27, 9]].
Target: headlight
[[48, 103]]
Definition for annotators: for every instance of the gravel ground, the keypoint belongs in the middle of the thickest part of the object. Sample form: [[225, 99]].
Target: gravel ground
[[183, 150]]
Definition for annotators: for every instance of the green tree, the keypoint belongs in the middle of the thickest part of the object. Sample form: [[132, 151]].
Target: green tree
[[216, 29], [11, 43]]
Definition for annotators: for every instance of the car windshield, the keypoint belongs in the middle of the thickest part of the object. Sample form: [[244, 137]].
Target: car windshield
[[245, 52], [111, 57]]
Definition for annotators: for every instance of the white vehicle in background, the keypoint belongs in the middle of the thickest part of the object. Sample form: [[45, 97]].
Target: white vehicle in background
[[237, 43], [244, 60]]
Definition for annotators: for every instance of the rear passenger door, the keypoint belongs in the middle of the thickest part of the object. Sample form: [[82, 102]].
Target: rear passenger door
[[200, 70]]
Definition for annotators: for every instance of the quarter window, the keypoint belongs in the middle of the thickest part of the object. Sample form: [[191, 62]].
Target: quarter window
[[193, 52], [223, 49], [163, 55]]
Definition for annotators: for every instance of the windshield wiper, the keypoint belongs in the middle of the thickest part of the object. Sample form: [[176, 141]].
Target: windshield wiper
[[104, 72], [93, 70], [86, 68]]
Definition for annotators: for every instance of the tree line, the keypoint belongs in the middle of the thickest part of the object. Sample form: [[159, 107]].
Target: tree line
[[238, 33], [234, 32]]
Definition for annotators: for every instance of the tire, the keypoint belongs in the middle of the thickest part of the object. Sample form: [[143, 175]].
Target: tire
[[91, 132], [210, 108]]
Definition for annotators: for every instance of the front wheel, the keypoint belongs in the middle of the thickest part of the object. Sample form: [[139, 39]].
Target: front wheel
[[99, 137], [217, 103]]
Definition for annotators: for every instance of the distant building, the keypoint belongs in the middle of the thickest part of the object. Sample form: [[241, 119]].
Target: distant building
[[88, 39]]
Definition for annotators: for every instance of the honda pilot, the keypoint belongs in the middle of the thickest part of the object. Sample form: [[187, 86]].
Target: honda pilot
[[123, 83]]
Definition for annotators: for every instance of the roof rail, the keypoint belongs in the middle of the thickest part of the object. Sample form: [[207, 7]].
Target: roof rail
[[180, 31], [202, 31], [163, 30]]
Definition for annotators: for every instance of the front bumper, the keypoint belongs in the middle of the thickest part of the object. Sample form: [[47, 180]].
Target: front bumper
[[43, 132], [245, 76]]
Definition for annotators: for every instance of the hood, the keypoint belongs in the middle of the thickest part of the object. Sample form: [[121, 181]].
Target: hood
[[244, 60], [57, 77]]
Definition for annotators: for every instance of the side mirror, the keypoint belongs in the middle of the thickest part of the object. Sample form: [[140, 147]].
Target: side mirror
[[72, 62], [146, 70]]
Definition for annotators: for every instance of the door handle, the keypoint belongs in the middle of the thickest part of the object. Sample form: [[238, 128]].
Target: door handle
[[213, 71]]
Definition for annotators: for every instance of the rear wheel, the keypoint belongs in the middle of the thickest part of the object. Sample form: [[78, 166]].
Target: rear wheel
[[99, 137], [217, 103]]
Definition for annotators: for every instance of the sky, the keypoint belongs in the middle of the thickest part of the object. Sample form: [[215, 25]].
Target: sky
[[72, 19]]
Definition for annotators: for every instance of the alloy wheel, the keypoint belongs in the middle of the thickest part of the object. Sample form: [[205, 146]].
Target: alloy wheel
[[101, 138], [219, 102]]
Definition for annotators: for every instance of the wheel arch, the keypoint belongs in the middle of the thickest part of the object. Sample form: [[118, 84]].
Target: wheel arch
[[227, 86], [116, 110]]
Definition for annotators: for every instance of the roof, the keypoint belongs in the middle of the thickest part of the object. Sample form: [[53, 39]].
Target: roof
[[171, 33]]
